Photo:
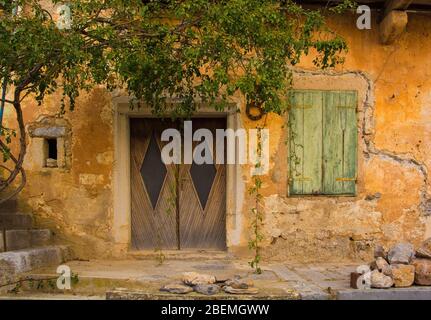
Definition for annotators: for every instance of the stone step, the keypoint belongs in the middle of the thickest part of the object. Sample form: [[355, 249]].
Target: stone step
[[202, 255], [15, 221], [9, 206], [16, 262], [25, 238]]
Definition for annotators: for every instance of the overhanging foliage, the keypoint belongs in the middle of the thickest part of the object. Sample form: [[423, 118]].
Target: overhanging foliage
[[186, 50]]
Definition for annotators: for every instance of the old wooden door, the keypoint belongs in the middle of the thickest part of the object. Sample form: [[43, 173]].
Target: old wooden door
[[175, 206]]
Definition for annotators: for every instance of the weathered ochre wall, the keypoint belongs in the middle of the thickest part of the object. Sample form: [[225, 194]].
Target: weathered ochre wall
[[75, 202], [392, 204]]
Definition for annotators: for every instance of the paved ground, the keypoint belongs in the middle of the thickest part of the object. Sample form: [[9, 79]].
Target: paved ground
[[277, 280], [145, 277], [319, 282]]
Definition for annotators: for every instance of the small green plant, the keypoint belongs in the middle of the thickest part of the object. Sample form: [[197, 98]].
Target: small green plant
[[293, 146], [16, 289], [257, 216], [38, 284], [160, 256], [74, 279]]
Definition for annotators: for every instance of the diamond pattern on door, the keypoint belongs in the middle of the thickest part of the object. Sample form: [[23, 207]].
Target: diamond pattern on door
[[203, 178], [153, 171]]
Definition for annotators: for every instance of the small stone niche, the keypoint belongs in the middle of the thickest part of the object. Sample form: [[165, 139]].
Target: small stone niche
[[50, 143], [51, 153]]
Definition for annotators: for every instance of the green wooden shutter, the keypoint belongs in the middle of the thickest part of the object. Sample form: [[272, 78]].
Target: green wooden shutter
[[305, 142], [322, 142], [339, 142]]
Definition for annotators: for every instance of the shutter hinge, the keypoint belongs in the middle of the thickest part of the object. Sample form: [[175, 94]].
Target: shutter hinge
[[300, 179], [347, 107], [346, 179]]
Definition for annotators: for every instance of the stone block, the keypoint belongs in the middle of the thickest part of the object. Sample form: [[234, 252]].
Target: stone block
[[380, 252], [380, 281], [403, 275], [49, 132], [15, 221], [176, 288], [401, 253], [23, 239], [425, 249], [422, 272], [14, 262], [40, 237], [17, 239], [194, 278]]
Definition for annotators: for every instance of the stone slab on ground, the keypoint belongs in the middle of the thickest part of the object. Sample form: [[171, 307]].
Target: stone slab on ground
[[126, 294], [307, 290], [411, 293]]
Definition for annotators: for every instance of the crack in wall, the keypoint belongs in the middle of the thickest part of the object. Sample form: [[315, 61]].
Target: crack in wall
[[368, 135]]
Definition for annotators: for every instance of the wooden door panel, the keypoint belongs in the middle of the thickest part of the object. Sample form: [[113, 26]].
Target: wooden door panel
[[152, 226], [203, 225]]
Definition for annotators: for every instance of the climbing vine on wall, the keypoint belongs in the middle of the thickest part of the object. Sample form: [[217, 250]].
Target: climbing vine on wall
[[293, 145], [256, 210]]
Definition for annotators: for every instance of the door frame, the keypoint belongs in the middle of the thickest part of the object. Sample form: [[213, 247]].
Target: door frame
[[121, 224]]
